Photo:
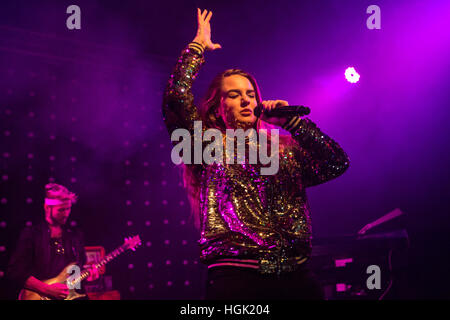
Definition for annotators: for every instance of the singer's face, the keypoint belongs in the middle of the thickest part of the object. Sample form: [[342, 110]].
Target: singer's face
[[237, 95]]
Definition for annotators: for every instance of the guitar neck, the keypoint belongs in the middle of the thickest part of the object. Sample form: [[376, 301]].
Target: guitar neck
[[111, 256]]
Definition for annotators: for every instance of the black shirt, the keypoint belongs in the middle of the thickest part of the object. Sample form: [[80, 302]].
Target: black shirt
[[38, 255]]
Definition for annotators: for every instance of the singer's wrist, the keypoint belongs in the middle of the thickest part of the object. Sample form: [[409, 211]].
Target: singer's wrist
[[197, 45], [292, 124]]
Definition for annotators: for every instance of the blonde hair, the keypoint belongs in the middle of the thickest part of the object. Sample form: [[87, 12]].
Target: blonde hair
[[59, 192]]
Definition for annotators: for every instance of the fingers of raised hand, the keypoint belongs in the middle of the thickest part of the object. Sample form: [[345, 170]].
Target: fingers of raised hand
[[201, 15], [205, 16], [208, 17]]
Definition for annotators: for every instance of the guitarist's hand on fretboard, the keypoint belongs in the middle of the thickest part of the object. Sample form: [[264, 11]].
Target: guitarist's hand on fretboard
[[94, 274]]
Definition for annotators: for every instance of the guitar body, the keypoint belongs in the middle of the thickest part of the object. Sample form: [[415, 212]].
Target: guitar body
[[26, 294]]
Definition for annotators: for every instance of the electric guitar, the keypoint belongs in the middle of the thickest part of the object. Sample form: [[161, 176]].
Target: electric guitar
[[65, 277]]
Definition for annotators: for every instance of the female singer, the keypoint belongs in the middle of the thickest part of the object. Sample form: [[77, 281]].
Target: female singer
[[255, 230]]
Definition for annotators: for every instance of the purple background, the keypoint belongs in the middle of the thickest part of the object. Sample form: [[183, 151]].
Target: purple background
[[83, 107]]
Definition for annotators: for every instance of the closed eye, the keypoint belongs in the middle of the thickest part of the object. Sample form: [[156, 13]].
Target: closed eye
[[236, 93], [234, 97]]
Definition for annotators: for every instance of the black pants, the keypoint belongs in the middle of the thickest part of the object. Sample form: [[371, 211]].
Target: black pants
[[235, 283]]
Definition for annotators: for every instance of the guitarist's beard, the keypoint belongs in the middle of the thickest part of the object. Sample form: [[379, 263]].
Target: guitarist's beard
[[55, 219]]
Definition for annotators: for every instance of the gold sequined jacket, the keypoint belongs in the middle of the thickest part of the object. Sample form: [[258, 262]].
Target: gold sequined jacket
[[244, 215]]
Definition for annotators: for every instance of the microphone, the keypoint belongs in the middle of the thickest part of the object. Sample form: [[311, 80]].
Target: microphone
[[282, 112]]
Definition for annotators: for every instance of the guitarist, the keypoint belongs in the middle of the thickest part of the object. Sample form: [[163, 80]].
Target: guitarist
[[44, 250]]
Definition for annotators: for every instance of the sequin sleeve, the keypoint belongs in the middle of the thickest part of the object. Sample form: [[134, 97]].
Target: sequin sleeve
[[178, 107], [321, 157]]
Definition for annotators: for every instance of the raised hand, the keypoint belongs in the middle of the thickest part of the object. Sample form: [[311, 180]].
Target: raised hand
[[204, 30]]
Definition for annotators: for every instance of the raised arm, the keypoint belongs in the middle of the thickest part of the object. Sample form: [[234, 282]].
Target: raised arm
[[321, 157], [178, 107]]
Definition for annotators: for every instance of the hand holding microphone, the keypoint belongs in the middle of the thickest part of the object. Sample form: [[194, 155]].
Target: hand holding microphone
[[278, 112]]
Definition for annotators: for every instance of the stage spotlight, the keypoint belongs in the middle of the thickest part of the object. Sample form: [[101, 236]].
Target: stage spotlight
[[351, 75]]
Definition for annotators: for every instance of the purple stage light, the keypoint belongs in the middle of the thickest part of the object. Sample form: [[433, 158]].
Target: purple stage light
[[351, 75]]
